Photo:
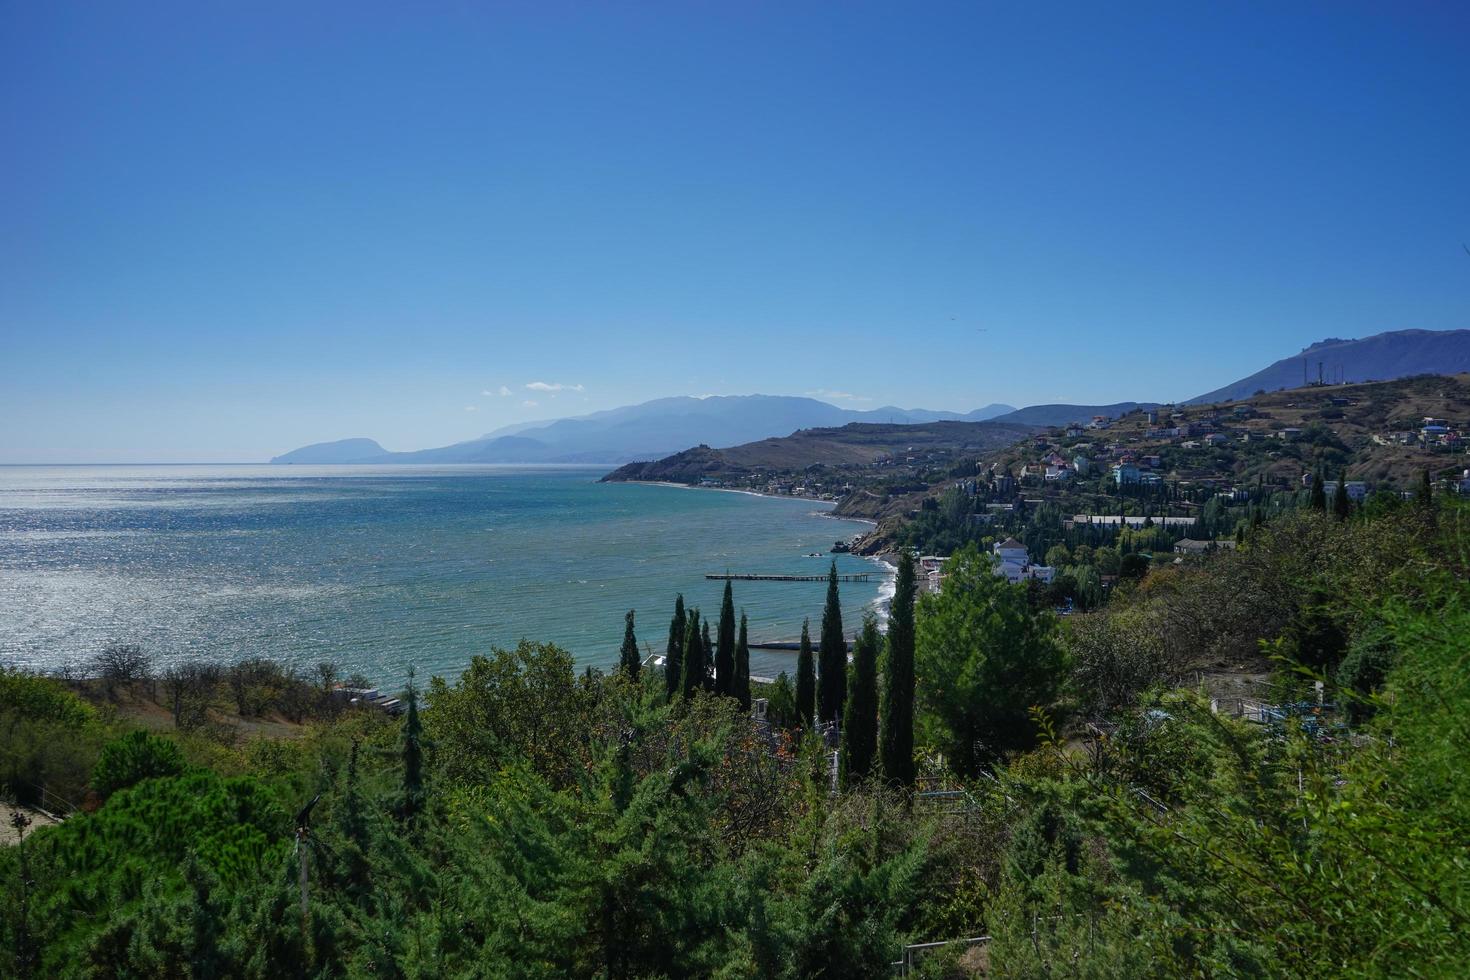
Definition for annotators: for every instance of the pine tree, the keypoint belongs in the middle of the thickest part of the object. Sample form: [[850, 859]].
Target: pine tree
[[860, 721], [725, 650], [1340, 505], [831, 656], [806, 676], [413, 757], [897, 741], [628, 660], [674, 653], [742, 664]]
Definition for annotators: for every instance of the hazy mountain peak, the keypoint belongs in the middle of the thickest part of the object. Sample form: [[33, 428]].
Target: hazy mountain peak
[[339, 451], [1381, 357]]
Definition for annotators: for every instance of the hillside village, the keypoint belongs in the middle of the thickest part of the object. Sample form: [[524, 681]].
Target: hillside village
[[1073, 510]]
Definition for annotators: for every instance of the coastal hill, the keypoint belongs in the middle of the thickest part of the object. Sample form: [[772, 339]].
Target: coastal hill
[[645, 431], [340, 451], [858, 451], [1376, 433], [1373, 431], [1381, 357], [1065, 414]]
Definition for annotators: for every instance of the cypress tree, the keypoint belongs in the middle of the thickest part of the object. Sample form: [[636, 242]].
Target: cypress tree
[[742, 664], [1340, 505], [806, 676], [413, 757], [628, 659], [860, 721], [897, 741], [1425, 494], [693, 677], [831, 656], [1319, 491], [707, 657], [674, 654], [725, 650]]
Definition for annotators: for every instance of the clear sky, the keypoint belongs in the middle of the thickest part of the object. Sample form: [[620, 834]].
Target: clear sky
[[230, 228]]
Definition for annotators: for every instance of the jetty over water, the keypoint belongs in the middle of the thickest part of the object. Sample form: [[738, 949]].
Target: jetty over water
[[734, 577]]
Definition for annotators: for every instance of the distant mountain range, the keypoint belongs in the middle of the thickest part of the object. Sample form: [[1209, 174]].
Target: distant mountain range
[[659, 428], [1381, 357], [650, 430]]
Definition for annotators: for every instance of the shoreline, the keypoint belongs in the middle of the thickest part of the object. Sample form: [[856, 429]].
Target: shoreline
[[752, 493], [881, 604]]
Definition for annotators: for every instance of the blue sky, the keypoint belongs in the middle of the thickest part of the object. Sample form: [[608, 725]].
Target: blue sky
[[233, 228]]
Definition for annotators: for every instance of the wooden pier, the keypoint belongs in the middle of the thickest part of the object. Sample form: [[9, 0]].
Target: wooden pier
[[732, 577]]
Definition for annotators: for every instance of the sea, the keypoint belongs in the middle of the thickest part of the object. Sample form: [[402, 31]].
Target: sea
[[383, 569]]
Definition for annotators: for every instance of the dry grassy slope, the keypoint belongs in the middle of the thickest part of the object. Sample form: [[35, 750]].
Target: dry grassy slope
[[855, 444]]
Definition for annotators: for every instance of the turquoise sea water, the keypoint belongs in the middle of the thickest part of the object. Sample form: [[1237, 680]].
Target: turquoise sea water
[[380, 568]]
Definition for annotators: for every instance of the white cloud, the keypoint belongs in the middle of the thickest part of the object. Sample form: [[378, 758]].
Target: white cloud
[[471, 408], [504, 392], [529, 404], [842, 396], [551, 386]]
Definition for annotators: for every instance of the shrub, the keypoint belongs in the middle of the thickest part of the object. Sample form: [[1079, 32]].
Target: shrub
[[133, 758]]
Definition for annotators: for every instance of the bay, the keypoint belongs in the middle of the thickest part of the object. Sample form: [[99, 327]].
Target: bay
[[383, 568]]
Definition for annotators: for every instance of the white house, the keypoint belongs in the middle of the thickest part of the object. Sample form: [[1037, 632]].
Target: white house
[[1357, 490], [1014, 562]]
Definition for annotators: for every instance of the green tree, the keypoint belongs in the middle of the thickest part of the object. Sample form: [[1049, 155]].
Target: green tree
[[1425, 494], [695, 671], [781, 704], [896, 739], [674, 652], [860, 721], [133, 758], [516, 707], [831, 655], [725, 644], [628, 658], [806, 676], [707, 658], [1319, 490], [984, 659], [1341, 506], [742, 664], [413, 757]]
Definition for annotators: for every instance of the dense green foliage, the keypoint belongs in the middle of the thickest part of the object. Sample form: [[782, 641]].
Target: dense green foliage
[[133, 758], [537, 822], [984, 659]]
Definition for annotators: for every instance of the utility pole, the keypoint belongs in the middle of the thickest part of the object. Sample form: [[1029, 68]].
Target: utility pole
[[23, 951], [303, 849]]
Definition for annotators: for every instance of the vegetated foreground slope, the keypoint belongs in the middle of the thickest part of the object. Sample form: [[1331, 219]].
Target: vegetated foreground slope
[[857, 444]]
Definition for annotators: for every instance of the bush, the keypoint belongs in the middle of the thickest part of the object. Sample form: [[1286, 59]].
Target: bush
[[133, 758], [49, 741], [122, 665], [1362, 674]]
